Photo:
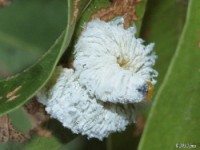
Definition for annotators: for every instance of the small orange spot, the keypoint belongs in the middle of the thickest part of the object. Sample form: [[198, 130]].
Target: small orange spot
[[150, 91]]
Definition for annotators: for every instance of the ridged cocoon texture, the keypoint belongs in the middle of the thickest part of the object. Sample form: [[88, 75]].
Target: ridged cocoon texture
[[106, 91], [112, 63], [67, 101]]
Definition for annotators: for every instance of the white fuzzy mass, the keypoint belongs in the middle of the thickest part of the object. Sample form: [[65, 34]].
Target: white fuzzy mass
[[69, 102], [112, 63], [107, 88]]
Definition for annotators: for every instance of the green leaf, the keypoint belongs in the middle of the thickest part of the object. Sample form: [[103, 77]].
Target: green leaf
[[11, 146], [140, 11], [29, 81], [27, 30], [76, 144], [21, 120], [60, 136], [174, 118], [43, 143], [15, 91], [157, 27]]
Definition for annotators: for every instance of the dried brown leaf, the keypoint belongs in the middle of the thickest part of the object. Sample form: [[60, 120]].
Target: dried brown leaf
[[125, 8], [9, 133]]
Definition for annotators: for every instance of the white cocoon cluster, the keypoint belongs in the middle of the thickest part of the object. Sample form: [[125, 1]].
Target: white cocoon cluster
[[109, 83], [69, 102], [112, 63]]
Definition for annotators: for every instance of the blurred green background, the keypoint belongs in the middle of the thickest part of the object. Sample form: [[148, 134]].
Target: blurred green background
[[27, 30]]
